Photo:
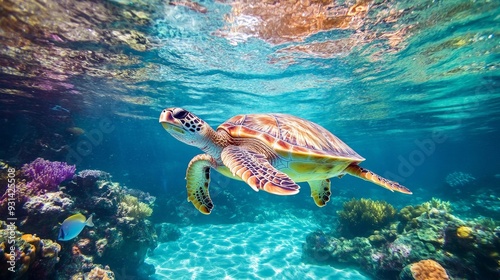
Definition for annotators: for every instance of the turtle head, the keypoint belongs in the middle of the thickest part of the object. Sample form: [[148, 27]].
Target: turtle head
[[184, 126]]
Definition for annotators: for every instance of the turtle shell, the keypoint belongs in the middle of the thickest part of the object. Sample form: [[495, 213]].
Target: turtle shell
[[290, 136]]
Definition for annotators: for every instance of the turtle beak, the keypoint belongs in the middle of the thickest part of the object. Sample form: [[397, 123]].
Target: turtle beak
[[169, 123]]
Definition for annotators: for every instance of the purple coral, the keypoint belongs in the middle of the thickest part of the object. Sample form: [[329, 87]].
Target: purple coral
[[46, 175], [399, 249]]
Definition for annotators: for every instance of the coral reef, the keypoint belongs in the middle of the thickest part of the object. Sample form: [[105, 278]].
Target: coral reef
[[167, 232], [359, 217], [51, 203], [42, 213], [98, 273], [467, 249], [26, 255], [39, 203], [36, 178], [464, 232], [131, 208], [410, 212], [485, 202], [45, 176], [88, 177], [437, 204], [424, 270], [121, 237], [459, 179]]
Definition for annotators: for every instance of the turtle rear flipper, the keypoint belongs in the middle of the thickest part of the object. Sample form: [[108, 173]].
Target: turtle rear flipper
[[365, 174], [256, 171], [198, 179]]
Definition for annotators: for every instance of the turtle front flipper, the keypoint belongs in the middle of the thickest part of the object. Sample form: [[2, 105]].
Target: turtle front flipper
[[198, 178], [320, 191], [365, 174], [256, 171]]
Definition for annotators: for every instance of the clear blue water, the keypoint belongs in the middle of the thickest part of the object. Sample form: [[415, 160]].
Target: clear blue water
[[412, 86]]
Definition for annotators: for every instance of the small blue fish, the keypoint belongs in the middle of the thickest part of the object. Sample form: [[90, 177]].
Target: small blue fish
[[73, 225], [59, 108]]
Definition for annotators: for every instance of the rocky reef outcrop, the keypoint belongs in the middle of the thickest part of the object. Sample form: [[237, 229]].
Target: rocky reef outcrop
[[25, 255], [466, 249], [46, 193]]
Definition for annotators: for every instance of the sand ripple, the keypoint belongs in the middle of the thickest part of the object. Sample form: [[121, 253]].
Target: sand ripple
[[242, 251]]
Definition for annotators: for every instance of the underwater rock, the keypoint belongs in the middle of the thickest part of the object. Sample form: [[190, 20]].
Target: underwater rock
[[121, 237], [167, 232], [145, 270], [102, 197], [321, 246], [127, 251], [49, 203], [424, 270], [459, 179], [26, 256], [98, 273], [87, 178], [43, 212], [487, 203], [467, 249]]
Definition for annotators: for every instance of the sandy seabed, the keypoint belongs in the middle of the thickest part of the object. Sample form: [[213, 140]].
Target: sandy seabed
[[242, 251]]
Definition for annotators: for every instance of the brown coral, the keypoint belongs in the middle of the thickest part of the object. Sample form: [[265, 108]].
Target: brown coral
[[29, 255], [51, 249], [428, 270], [31, 239], [100, 274], [75, 251]]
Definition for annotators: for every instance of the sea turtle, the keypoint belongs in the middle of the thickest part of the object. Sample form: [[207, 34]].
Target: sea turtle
[[269, 152]]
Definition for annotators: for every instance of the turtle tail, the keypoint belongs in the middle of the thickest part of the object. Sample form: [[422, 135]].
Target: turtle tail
[[365, 174]]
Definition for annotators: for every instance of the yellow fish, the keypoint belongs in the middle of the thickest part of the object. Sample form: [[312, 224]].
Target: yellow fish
[[75, 130], [73, 225]]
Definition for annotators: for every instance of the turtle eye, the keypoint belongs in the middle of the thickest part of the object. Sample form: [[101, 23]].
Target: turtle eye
[[180, 114]]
